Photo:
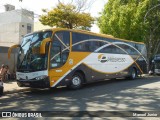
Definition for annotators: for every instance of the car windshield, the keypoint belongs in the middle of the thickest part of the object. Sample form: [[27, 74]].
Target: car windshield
[[29, 58]]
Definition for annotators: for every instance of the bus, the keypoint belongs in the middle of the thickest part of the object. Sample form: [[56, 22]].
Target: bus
[[66, 57]]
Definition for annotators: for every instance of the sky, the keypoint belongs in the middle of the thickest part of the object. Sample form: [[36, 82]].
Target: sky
[[37, 5]]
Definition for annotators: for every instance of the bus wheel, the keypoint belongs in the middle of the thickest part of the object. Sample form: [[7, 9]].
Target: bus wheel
[[76, 81], [133, 74]]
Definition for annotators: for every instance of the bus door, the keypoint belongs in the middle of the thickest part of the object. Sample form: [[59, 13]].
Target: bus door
[[59, 53]]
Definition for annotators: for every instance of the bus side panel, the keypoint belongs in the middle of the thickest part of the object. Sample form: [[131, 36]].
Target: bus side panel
[[73, 61], [92, 68], [91, 75], [82, 69]]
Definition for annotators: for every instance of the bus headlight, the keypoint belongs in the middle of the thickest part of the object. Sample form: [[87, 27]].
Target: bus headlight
[[41, 77]]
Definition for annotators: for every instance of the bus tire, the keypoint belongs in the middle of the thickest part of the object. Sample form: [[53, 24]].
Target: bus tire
[[133, 74], [76, 81]]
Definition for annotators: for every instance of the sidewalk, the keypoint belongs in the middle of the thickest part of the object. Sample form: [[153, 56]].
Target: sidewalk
[[11, 86]]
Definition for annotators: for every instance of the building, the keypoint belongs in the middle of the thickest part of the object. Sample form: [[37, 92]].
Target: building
[[14, 24]]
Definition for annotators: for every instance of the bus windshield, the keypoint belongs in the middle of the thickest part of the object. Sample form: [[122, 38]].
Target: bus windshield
[[29, 58]]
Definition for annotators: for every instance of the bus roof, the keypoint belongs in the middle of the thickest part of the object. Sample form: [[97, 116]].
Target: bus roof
[[88, 32]]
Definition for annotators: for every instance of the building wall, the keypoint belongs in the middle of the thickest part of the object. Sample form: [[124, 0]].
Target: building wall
[[9, 34], [4, 58], [14, 25]]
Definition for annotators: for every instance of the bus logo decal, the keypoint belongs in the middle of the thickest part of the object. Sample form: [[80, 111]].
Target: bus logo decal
[[103, 59]]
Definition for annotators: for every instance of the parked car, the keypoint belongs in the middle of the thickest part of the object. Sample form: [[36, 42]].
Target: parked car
[[1, 87], [155, 66]]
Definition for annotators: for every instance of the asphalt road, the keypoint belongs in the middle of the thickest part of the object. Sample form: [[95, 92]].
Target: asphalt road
[[120, 95]]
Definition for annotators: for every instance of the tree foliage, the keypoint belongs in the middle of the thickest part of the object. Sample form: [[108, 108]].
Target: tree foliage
[[67, 16], [133, 20], [124, 19]]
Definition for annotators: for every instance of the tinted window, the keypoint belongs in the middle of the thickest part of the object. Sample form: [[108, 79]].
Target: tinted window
[[143, 50], [112, 49], [78, 43], [96, 44], [60, 49], [78, 37], [86, 43], [138, 47], [128, 49]]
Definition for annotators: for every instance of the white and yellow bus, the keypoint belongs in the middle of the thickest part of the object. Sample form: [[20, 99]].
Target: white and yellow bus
[[59, 57]]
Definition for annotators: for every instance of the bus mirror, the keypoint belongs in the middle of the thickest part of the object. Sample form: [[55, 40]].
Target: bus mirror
[[43, 44], [10, 49]]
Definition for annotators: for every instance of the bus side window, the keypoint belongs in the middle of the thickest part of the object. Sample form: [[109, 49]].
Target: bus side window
[[55, 56], [79, 42], [129, 50], [144, 50], [112, 49], [65, 55], [59, 49]]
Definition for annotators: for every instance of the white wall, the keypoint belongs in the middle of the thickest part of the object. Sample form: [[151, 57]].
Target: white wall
[[9, 34], [17, 16], [13, 26]]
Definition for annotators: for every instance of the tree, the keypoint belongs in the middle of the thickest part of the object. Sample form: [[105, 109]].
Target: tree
[[125, 19], [67, 16], [152, 22]]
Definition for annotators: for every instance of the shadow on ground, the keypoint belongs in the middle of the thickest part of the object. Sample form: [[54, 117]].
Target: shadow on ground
[[121, 95]]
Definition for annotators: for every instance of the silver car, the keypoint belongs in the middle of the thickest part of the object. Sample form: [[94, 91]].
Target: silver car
[[1, 87]]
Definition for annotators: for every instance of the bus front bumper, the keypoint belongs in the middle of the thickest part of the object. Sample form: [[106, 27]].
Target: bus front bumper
[[43, 83]]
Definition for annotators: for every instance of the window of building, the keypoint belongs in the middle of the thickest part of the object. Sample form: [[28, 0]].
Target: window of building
[[29, 28]]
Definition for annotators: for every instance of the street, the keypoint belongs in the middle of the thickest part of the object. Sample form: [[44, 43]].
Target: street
[[142, 94]]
